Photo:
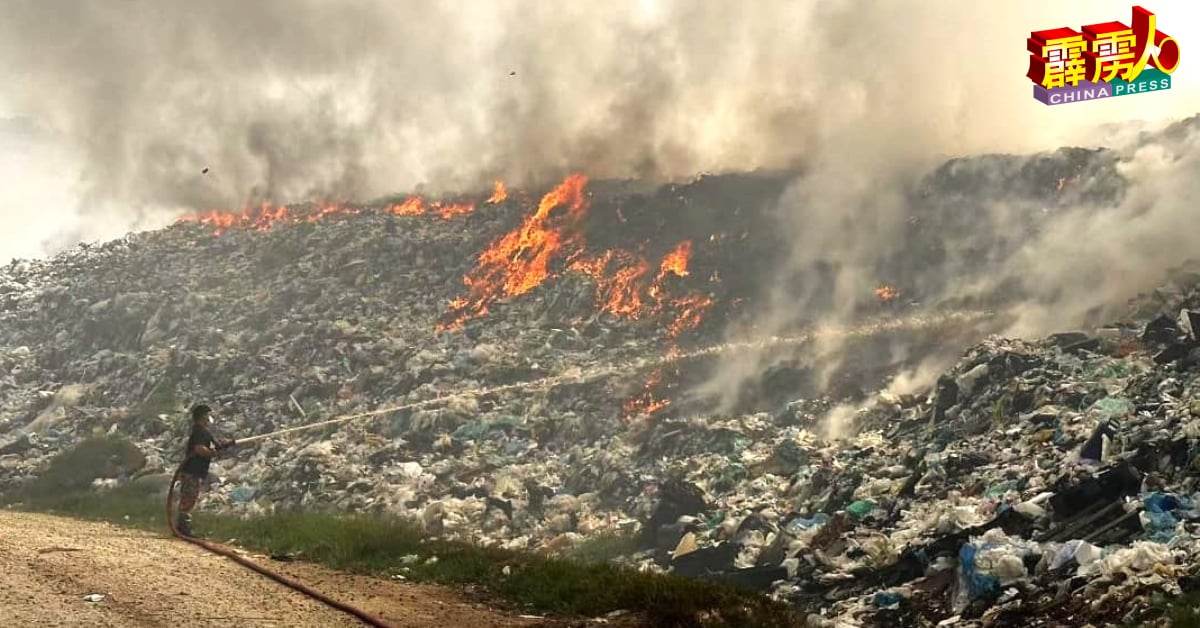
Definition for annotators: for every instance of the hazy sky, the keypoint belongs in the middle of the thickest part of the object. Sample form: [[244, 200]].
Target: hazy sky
[[296, 99]]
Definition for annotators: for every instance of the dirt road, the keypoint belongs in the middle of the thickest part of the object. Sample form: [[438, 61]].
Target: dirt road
[[49, 564]]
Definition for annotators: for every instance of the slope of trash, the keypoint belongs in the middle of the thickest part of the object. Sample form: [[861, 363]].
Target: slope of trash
[[1046, 480]]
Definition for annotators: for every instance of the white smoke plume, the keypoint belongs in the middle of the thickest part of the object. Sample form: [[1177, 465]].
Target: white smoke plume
[[907, 85], [316, 99], [300, 99]]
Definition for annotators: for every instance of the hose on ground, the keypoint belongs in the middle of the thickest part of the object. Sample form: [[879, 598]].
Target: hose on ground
[[221, 550]]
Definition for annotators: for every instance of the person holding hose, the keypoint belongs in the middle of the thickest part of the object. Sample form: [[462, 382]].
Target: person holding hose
[[202, 447]]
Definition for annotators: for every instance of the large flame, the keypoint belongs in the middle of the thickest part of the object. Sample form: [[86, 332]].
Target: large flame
[[619, 291], [547, 243], [627, 285], [520, 260]]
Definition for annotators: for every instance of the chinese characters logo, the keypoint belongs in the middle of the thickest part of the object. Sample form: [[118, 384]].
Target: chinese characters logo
[[1101, 60]]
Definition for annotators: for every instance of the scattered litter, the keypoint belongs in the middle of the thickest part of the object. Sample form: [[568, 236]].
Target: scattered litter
[[1058, 469]]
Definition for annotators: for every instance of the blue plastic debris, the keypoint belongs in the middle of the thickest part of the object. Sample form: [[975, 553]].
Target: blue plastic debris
[[978, 584], [1164, 502], [884, 599], [241, 494], [800, 524], [1159, 526]]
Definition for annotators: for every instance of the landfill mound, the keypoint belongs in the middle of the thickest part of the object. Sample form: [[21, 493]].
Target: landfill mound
[[1050, 479]]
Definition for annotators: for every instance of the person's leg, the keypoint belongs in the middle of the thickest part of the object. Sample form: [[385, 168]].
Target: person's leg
[[189, 494]]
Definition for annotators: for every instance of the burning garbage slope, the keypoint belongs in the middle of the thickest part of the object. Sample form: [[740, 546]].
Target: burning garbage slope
[[286, 317]]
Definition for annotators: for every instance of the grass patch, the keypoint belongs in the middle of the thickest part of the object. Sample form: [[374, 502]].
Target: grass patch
[[603, 548], [580, 584]]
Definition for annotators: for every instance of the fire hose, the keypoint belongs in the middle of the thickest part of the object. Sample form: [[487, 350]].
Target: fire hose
[[573, 375], [222, 550]]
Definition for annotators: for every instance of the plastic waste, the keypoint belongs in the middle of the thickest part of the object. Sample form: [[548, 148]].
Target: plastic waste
[[860, 509], [1075, 551], [800, 524], [241, 494], [1110, 408], [1159, 526], [971, 583], [887, 599]]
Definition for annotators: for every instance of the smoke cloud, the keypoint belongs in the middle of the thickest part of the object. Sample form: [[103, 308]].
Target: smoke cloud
[[309, 99], [910, 85]]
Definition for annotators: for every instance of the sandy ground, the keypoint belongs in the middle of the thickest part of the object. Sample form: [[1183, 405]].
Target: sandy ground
[[48, 564]]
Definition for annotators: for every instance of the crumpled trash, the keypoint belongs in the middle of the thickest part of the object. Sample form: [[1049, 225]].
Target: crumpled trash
[[972, 583], [1144, 561], [337, 319], [94, 597], [801, 524], [1079, 552], [989, 562]]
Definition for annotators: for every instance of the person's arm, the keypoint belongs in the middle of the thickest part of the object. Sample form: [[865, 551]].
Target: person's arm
[[203, 451]]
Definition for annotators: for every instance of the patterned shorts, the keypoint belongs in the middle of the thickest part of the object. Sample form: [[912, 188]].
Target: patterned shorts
[[189, 492]]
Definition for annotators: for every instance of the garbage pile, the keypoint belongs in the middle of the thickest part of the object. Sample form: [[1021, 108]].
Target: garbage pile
[[1048, 479], [1050, 482]]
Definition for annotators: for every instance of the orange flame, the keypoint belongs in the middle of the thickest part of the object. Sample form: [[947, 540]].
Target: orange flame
[[689, 313], [676, 261], [625, 287], [499, 193], [267, 216], [520, 260], [415, 206], [626, 283], [646, 402], [620, 293], [887, 293], [264, 217], [325, 210], [412, 206], [453, 209]]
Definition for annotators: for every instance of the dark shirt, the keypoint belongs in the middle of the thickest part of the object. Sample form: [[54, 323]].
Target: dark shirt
[[196, 464]]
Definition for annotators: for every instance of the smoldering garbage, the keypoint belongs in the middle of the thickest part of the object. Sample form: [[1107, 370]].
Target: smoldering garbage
[[1044, 482]]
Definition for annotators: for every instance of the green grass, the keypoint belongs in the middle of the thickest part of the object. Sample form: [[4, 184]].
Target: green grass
[[580, 584], [603, 548]]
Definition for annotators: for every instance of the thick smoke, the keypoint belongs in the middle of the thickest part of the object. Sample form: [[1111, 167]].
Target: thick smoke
[[917, 83], [309, 99]]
